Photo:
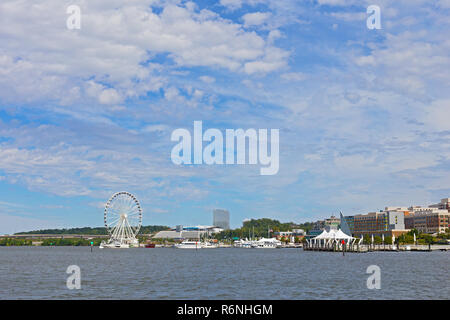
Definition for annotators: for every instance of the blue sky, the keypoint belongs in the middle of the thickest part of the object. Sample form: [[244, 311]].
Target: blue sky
[[363, 114]]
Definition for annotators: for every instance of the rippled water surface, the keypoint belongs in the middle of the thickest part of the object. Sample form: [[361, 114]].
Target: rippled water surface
[[166, 273]]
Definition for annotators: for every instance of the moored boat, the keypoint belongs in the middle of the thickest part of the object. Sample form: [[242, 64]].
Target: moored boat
[[189, 244], [265, 243]]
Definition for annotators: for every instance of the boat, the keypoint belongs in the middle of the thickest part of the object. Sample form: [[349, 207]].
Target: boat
[[189, 244], [209, 245], [150, 245], [115, 244], [267, 243], [243, 244]]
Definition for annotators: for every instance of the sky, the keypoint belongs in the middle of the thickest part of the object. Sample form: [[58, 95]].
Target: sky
[[363, 114]]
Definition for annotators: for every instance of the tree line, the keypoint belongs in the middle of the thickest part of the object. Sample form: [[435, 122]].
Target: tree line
[[259, 228]]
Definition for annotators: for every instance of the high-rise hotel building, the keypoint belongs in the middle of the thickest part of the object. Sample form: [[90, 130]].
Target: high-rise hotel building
[[221, 219]]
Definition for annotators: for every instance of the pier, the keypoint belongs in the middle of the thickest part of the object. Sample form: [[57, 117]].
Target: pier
[[361, 248]]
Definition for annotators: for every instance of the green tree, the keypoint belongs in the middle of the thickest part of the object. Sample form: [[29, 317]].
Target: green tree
[[259, 228], [412, 232], [388, 240], [377, 240], [367, 239]]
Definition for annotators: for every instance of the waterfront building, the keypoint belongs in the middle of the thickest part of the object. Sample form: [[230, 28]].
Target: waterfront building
[[319, 226], [221, 219], [332, 223], [389, 222], [298, 232], [279, 235], [283, 234], [291, 235], [317, 229], [429, 220], [443, 205]]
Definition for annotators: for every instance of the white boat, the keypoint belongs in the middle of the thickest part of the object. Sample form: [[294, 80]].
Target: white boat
[[243, 243], [189, 244], [267, 243], [119, 244], [209, 245]]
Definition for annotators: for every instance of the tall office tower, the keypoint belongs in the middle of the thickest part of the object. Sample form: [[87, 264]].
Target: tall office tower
[[221, 219]]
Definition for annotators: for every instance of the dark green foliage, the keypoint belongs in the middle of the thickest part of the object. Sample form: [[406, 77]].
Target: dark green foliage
[[377, 240], [14, 242], [71, 242], [259, 227], [367, 239], [388, 240]]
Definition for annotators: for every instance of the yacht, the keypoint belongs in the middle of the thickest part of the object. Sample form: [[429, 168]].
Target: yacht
[[189, 244], [267, 243], [114, 244], [209, 245], [243, 243]]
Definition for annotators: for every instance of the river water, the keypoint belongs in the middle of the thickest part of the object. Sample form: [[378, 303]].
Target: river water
[[225, 273]]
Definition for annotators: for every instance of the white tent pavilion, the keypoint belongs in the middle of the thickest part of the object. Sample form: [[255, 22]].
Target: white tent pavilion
[[324, 235], [334, 235], [327, 238], [340, 235]]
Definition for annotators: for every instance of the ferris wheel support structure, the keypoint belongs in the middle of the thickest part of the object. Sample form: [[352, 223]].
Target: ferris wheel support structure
[[123, 220]]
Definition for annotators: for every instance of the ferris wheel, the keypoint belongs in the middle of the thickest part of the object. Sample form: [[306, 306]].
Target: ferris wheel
[[123, 217]]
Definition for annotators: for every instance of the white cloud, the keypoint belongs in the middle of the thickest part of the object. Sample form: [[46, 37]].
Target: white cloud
[[293, 76], [42, 60], [207, 79], [438, 115], [159, 128], [274, 59], [336, 2], [109, 96], [444, 4], [349, 16], [255, 18], [232, 4]]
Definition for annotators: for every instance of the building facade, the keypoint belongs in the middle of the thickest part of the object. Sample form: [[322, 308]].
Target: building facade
[[394, 221], [320, 225], [332, 223], [221, 219], [390, 222], [443, 205], [428, 220]]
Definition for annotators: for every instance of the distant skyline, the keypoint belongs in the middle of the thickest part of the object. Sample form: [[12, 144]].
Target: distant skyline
[[362, 114]]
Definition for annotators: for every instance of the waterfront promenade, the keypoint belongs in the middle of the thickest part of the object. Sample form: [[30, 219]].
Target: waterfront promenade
[[377, 247]]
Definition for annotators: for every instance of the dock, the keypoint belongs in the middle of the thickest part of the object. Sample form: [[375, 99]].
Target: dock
[[362, 248]]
